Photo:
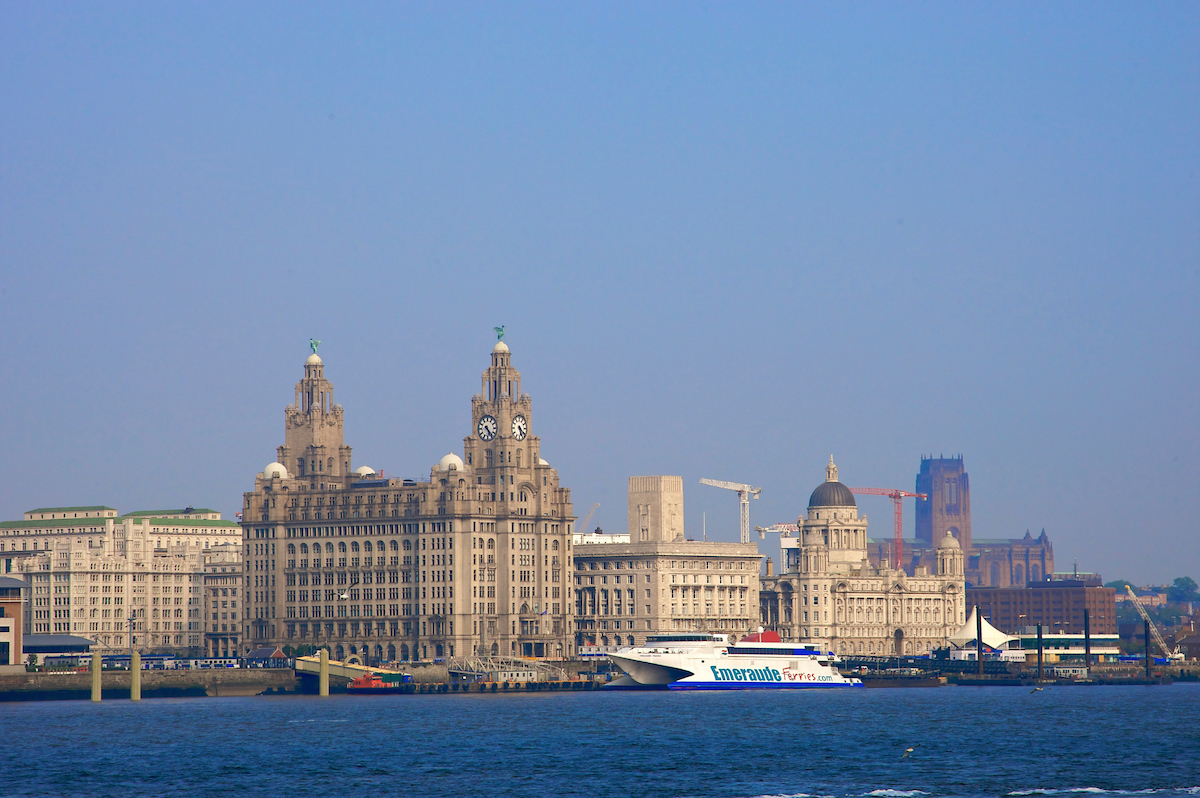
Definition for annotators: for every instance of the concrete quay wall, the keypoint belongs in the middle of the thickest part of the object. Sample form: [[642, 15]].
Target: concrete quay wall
[[155, 684]]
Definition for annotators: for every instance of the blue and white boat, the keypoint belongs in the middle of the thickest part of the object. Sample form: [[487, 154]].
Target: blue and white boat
[[761, 661]]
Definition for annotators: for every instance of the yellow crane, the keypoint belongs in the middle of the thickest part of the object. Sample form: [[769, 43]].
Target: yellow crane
[[1171, 654]]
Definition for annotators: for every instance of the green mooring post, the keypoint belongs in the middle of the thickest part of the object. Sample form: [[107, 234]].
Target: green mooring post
[[135, 677], [323, 679], [96, 665]]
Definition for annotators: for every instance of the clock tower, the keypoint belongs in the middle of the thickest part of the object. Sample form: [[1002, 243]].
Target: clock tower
[[501, 418], [521, 530]]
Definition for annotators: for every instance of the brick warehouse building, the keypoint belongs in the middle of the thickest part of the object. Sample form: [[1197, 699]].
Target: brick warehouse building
[[1057, 605]]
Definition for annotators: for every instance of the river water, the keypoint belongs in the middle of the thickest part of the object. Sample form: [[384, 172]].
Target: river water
[[967, 741]]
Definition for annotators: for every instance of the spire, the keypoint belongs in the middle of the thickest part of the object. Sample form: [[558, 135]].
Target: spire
[[831, 471]]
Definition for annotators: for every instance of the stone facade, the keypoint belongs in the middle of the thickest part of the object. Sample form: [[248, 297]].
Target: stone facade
[[382, 549], [126, 586], [829, 593], [92, 526], [657, 580], [224, 600]]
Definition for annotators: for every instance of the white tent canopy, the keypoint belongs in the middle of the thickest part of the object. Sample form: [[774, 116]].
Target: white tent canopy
[[992, 637]]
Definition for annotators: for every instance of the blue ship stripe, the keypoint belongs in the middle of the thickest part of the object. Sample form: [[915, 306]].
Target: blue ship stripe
[[758, 685]]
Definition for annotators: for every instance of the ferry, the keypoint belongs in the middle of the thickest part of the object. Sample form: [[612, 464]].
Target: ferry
[[701, 661]]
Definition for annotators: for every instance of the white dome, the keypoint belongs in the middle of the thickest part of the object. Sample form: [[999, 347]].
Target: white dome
[[949, 542], [500, 347], [542, 462], [313, 360], [450, 461], [275, 470], [364, 471]]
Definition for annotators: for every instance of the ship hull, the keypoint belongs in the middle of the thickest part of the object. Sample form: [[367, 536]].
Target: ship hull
[[715, 665]]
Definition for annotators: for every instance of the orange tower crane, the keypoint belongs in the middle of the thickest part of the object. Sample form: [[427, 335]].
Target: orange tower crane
[[897, 497]]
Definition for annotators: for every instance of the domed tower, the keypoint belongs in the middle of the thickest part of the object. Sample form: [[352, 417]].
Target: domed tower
[[313, 445], [833, 522], [950, 557]]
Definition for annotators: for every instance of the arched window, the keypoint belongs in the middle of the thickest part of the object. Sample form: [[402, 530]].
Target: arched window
[[341, 547], [354, 546], [291, 548], [1019, 575], [1035, 573], [554, 546], [329, 548], [491, 543], [394, 546], [367, 546], [994, 575], [408, 545], [304, 548]]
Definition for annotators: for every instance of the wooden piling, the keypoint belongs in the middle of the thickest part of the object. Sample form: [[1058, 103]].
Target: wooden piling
[[323, 678]]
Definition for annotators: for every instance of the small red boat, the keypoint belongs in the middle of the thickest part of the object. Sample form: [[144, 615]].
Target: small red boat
[[373, 683]]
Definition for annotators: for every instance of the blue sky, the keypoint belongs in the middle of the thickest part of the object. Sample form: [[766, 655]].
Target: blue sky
[[726, 241]]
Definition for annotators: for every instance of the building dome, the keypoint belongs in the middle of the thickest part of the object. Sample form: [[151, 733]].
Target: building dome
[[450, 461], [365, 471], [831, 493], [275, 470], [542, 462], [313, 360], [500, 347], [949, 542]]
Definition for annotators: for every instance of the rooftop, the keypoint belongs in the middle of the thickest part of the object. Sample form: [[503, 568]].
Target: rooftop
[[90, 508]]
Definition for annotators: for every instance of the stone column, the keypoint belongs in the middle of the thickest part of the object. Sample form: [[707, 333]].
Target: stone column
[[135, 677], [96, 665]]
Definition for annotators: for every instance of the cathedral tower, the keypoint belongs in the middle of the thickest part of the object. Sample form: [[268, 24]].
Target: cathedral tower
[[948, 508]]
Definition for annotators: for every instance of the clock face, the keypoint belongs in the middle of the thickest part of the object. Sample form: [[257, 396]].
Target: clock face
[[520, 428], [487, 428]]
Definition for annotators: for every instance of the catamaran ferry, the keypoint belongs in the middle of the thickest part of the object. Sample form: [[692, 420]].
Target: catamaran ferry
[[710, 662]]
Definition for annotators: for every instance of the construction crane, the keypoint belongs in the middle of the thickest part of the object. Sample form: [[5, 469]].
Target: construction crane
[[788, 534], [787, 530], [581, 525], [897, 497], [1171, 654], [744, 493]]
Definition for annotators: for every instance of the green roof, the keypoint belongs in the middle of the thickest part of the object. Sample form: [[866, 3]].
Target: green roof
[[94, 521], [92, 508], [161, 513]]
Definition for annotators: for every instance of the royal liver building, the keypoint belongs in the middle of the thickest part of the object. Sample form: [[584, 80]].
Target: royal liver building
[[475, 560]]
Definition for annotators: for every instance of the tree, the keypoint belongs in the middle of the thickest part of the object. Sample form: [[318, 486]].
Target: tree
[[1183, 590], [1119, 584]]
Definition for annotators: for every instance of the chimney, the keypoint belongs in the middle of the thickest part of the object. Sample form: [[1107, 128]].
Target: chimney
[[770, 567]]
